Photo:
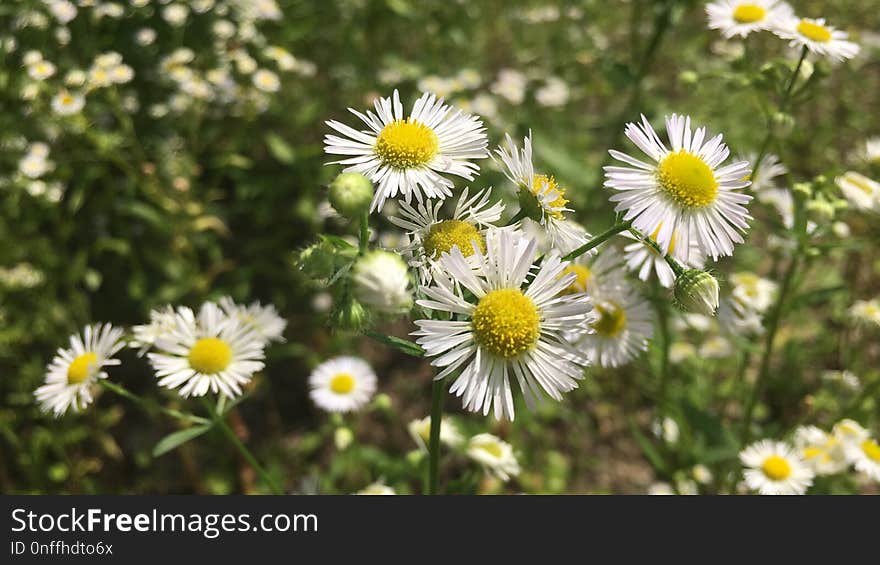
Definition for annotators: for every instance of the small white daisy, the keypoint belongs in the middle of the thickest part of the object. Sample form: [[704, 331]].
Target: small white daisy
[[342, 384], [406, 155], [504, 331], [738, 319], [866, 311], [266, 80], [594, 272], [783, 201], [823, 452], [849, 432], [73, 372], [817, 36], [865, 457], [621, 326], [430, 236], [753, 291], [643, 259], [765, 177], [41, 70], [774, 467], [263, 320], [420, 431], [716, 347], [495, 456], [65, 103], [162, 321], [742, 17], [687, 192], [208, 351], [863, 193]]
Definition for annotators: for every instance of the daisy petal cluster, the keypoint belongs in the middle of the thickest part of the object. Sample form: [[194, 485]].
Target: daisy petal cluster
[[342, 384], [742, 17], [773, 467], [817, 36]]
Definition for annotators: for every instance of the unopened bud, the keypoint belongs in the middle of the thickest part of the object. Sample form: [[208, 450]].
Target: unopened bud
[[697, 291], [351, 194]]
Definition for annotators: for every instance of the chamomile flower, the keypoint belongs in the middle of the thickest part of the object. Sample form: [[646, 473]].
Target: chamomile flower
[[540, 196], [420, 431], [742, 17], [263, 320], [644, 259], [775, 468], [342, 384], [865, 457], [65, 103], [860, 191], [406, 155], [206, 351], [495, 456], [687, 192], [817, 36], [621, 326], [821, 451], [430, 237], [73, 372], [504, 331]]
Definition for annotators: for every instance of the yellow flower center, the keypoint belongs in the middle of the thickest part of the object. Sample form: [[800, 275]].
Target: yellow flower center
[[343, 383], [813, 31], [492, 449], [816, 453], [776, 468], [210, 355], [404, 144], [749, 13], [506, 322], [612, 320], [687, 179], [579, 284], [445, 235], [872, 450], [80, 368], [547, 184]]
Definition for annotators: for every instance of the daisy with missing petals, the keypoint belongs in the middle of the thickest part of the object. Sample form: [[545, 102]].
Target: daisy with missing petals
[[823, 452], [405, 155], [644, 259], [816, 36], [865, 456], [686, 193], [263, 320], [208, 351], [430, 236], [738, 17], [621, 326], [72, 373], [541, 199], [495, 456], [503, 331], [774, 467], [342, 384]]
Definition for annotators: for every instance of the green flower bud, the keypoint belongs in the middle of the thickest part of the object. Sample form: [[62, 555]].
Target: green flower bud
[[697, 291], [803, 188], [415, 457], [529, 204], [382, 401], [350, 316], [820, 210], [351, 194]]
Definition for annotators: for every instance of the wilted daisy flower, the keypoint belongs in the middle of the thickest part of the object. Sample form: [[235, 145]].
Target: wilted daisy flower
[[496, 456], [405, 155], [381, 281], [644, 259], [774, 467], [430, 236], [420, 431], [540, 197], [208, 351], [73, 371], [504, 331], [862, 192], [685, 193], [41, 70], [753, 291], [866, 311], [621, 326], [263, 320], [865, 457], [65, 103], [849, 432], [377, 488], [823, 452], [816, 36], [742, 17], [342, 384]]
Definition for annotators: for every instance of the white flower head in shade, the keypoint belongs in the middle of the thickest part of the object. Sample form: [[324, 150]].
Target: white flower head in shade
[[65, 104], [742, 17], [850, 432], [381, 282], [866, 311], [860, 191], [377, 489], [540, 196], [73, 372], [644, 259], [621, 325], [504, 331], [865, 457], [430, 237], [817, 36], [406, 155], [263, 320], [266, 80], [494, 455], [823, 452], [773, 467], [753, 291], [686, 191], [342, 384], [206, 352], [420, 431]]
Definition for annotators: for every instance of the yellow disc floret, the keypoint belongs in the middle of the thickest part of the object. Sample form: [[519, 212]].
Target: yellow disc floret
[[749, 13], [776, 468], [343, 383], [210, 355], [81, 368], [872, 450], [814, 31], [443, 236], [582, 279], [506, 322], [545, 185], [687, 179], [404, 144], [492, 449], [612, 319]]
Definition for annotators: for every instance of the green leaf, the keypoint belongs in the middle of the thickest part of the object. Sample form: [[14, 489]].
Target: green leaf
[[279, 148], [178, 438]]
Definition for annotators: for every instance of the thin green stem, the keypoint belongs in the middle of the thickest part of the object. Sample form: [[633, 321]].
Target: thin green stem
[[598, 240], [364, 238], [438, 390], [517, 217], [149, 405]]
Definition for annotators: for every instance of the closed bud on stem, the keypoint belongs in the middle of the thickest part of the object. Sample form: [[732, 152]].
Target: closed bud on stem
[[351, 194], [381, 282], [696, 291], [350, 315]]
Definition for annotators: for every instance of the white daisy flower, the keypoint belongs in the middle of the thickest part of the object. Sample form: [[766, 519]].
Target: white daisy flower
[[765, 177], [263, 320], [667, 429], [742, 17], [594, 272], [406, 155], [73, 372], [120, 74], [540, 197], [753, 291], [208, 351], [621, 326], [774, 467], [430, 236], [175, 14], [817, 36], [716, 347], [63, 10], [495, 456], [738, 319], [266, 80], [849, 432], [162, 321], [420, 431], [865, 457], [34, 166], [377, 488], [41, 70], [866, 311], [702, 474], [342, 384], [685, 192], [862, 192], [643, 259], [65, 103], [504, 331], [381, 282], [823, 452]]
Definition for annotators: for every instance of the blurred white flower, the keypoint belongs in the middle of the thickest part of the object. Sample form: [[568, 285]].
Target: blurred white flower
[[494, 455], [62, 10], [716, 347], [41, 70], [376, 488], [145, 36], [66, 103], [863, 193], [420, 431], [554, 93], [175, 14], [866, 311], [266, 80], [510, 85], [667, 429], [381, 282]]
